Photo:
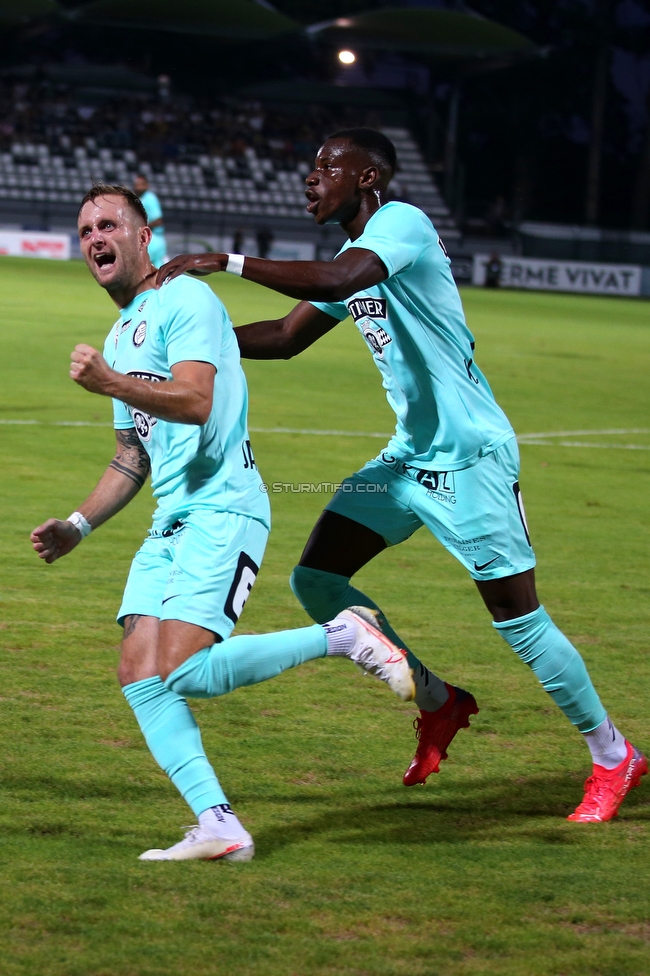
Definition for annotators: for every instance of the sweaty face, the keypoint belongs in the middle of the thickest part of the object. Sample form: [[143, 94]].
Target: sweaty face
[[113, 242], [333, 185]]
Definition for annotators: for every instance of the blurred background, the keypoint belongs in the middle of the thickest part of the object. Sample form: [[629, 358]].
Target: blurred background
[[522, 126]]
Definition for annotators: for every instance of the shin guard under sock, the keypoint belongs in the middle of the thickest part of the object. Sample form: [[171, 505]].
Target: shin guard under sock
[[323, 596], [557, 664], [174, 740], [246, 660]]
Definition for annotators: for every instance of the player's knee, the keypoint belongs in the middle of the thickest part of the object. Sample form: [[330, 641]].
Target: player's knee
[[321, 594], [128, 673]]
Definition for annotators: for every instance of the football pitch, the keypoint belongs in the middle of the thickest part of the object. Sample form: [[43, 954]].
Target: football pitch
[[478, 873]]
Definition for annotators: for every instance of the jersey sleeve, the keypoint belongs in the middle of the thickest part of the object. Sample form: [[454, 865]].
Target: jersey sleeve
[[152, 206], [122, 418], [195, 322], [338, 310], [397, 234]]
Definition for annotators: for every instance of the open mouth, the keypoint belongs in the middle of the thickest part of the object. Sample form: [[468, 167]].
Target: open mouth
[[313, 199], [104, 259]]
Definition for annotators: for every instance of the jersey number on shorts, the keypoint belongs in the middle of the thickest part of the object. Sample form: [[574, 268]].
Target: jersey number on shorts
[[242, 584]]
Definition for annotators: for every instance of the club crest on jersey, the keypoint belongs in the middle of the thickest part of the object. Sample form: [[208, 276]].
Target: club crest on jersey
[[376, 338], [140, 333], [372, 308], [143, 424]]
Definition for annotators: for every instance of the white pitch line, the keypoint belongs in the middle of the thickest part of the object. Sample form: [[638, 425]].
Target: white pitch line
[[577, 433], [620, 447], [537, 439], [318, 433]]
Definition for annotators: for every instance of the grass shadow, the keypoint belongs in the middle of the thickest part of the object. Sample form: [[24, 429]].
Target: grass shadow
[[475, 810]]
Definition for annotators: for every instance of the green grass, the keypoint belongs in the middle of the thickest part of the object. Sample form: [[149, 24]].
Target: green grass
[[478, 872]]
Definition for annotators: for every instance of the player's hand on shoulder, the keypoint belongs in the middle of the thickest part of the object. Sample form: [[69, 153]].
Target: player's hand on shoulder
[[194, 264], [55, 538], [90, 370]]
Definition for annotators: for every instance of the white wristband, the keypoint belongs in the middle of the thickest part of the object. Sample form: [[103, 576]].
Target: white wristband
[[81, 523], [235, 264]]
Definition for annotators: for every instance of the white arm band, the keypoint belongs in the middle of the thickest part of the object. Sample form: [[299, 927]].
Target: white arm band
[[235, 264], [80, 523]]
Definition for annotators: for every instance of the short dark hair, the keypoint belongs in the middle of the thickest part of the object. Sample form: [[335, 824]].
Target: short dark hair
[[378, 146], [115, 190]]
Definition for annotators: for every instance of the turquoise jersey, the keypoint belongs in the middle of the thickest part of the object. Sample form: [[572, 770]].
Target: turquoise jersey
[[151, 204], [158, 245], [413, 322], [208, 467]]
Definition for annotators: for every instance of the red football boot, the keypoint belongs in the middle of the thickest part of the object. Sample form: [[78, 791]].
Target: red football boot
[[606, 789], [435, 730]]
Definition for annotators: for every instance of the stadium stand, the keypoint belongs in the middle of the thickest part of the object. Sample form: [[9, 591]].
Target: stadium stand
[[228, 158]]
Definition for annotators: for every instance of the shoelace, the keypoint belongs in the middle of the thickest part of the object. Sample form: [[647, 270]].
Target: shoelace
[[191, 831], [596, 789]]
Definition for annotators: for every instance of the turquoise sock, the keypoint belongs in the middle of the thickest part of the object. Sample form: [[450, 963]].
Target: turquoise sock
[[323, 596], [557, 664], [246, 660], [174, 741]]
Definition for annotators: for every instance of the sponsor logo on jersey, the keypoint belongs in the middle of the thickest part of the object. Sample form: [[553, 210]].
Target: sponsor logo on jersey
[[142, 304], [119, 331], [143, 423], [376, 338], [140, 333], [372, 308], [140, 374], [440, 485]]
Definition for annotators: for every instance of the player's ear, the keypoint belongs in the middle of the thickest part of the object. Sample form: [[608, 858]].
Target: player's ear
[[145, 236], [369, 178]]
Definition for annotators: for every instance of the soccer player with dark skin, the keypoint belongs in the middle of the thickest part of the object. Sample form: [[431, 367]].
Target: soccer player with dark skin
[[348, 186]]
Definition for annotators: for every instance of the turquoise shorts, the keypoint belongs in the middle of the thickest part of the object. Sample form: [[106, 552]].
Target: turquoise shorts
[[200, 570], [477, 513]]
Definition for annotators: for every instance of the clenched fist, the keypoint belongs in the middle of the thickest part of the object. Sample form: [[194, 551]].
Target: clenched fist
[[90, 370], [55, 538]]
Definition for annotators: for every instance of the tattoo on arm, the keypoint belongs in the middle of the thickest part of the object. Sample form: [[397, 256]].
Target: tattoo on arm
[[130, 459]]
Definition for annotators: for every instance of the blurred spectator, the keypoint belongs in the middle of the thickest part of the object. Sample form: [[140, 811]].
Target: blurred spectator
[[498, 217], [151, 203], [163, 124], [493, 272], [264, 242]]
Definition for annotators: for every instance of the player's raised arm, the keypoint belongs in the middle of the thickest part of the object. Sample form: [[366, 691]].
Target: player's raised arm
[[122, 480], [319, 281], [185, 399], [286, 337]]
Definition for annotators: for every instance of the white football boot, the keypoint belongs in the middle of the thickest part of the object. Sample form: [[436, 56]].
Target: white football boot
[[202, 845], [376, 654]]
